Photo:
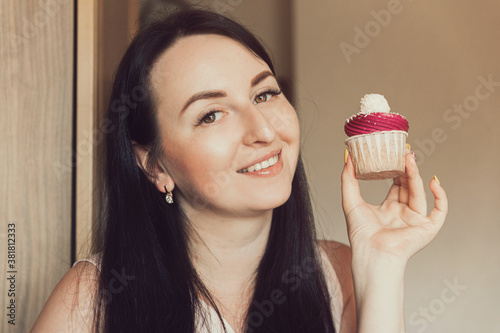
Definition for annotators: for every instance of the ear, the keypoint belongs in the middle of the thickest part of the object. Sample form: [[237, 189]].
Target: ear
[[159, 176]]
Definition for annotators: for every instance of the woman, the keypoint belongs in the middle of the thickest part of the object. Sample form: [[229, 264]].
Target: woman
[[207, 224]]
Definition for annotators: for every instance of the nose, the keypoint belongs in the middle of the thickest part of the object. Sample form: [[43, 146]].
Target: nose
[[257, 127]]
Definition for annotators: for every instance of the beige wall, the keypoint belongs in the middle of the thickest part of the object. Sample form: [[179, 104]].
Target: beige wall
[[429, 57]]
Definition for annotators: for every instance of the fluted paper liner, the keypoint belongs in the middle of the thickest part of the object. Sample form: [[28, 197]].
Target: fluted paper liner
[[378, 155]]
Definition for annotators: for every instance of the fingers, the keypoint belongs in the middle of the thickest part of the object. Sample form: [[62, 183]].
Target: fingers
[[393, 194], [402, 181], [351, 195], [403, 188], [438, 213], [415, 185]]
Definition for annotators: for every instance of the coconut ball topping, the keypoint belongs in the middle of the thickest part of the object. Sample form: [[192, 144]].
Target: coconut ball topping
[[374, 103]]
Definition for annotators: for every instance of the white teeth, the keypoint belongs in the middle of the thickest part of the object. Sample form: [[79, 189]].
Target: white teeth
[[262, 165]]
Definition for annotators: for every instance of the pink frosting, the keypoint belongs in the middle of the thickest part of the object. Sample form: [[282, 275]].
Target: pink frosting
[[375, 122]]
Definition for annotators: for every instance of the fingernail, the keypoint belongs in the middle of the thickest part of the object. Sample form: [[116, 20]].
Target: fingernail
[[346, 155], [414, 155], [436, 179], [408, 146]]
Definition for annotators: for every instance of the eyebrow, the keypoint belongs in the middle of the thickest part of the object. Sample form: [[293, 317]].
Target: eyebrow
[[261, 77], [217, 93]]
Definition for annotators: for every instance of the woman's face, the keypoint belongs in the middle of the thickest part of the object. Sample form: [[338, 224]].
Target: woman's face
[[219, 112]]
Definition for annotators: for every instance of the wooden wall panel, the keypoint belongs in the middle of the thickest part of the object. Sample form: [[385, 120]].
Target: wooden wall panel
[[36, 87], [87, 135]]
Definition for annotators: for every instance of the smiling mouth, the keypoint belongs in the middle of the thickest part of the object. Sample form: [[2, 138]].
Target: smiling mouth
[[261, 165]]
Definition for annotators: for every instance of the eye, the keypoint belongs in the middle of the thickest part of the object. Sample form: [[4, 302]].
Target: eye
[[210, 117], [265, 96]]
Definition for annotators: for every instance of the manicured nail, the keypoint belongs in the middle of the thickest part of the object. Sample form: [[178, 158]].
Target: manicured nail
[[346, 155], [436, 179], [408, 146], [414, 155]]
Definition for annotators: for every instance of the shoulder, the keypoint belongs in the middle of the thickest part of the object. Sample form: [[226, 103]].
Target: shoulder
[[339, 256], [338, 253], [70, 306]]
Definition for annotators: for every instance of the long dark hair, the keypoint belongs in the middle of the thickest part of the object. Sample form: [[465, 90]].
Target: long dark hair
[[147, 281]]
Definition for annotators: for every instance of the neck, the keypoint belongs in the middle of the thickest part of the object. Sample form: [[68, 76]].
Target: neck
[[226, 251]]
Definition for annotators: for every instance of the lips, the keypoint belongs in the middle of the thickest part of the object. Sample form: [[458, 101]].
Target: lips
[[262, 159]]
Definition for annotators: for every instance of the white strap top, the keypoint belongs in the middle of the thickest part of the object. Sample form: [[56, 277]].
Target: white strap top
[[213, 324]]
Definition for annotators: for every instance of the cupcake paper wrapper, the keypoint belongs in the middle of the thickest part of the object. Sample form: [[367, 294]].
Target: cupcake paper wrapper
[[378, 155]]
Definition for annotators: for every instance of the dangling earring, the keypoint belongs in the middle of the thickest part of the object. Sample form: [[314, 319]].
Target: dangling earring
[[168, 197]]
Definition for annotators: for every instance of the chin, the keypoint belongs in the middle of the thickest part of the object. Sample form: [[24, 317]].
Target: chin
[[271, 200]]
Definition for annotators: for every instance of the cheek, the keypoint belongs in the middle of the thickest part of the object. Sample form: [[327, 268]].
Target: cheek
[[286, 124], [200, 162]]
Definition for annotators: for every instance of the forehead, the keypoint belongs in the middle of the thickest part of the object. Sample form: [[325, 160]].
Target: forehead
[[203, 62]]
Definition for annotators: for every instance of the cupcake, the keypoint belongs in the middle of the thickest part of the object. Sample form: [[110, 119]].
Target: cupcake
[[377, 139]]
